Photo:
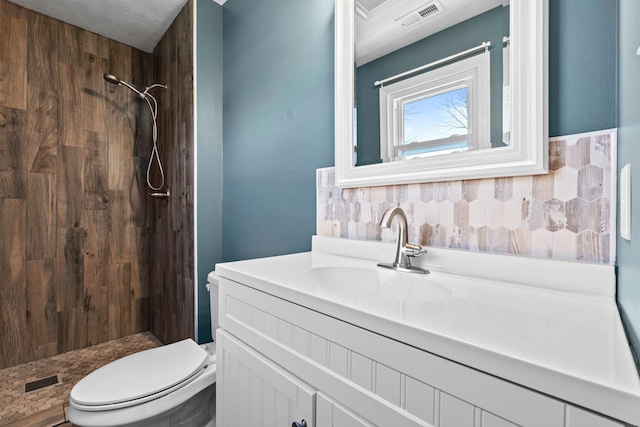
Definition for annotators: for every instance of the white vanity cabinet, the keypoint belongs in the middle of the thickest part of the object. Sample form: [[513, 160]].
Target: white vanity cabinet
[[257, 391], [280, 362], [260, 393]]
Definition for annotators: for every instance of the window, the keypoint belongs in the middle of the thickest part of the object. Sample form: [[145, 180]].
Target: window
[[437, 112]]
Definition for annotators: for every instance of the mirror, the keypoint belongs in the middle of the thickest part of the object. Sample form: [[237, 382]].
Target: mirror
[[475, 135]]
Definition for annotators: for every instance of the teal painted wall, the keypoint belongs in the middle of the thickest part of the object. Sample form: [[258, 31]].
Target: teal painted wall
[[489, 26], [629, 152], [278, 122], [278, 113], [582, 66], [278, 108], [209, 152]]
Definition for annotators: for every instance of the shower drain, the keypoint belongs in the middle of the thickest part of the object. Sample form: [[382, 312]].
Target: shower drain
[[41, 383]]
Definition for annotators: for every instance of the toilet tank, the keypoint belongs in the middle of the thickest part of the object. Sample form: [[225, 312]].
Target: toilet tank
[[212, 287]]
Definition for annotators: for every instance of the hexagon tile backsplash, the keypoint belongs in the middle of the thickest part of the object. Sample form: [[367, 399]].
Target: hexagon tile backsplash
[[568, 214]]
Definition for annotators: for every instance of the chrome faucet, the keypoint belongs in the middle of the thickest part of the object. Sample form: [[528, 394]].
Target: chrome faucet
[[405, 250]]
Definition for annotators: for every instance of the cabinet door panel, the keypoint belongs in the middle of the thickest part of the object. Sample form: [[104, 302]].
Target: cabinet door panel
[[331, 414], [419, 398], [490, 420], [455, 413], [254, 391]]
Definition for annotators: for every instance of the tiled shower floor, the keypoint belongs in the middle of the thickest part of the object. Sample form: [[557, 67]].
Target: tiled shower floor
[[46, 406]]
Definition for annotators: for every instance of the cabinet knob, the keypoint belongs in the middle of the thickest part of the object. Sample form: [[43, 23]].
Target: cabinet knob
[[303, 423]]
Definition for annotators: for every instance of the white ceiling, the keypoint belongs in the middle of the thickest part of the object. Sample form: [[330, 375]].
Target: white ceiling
[[382, 32], [137, 23], [142, 23]]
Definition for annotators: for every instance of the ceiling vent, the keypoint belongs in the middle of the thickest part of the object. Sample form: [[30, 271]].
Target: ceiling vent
[[421, 14], [365, 7]]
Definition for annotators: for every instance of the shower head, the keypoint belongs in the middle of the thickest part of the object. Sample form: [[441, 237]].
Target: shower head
[[112, 79], [116, 81]]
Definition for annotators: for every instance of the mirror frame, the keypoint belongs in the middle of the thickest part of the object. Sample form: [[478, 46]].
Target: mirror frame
[[528, 153]]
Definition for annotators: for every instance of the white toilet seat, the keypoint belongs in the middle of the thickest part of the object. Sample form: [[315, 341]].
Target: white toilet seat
[[140, 377]]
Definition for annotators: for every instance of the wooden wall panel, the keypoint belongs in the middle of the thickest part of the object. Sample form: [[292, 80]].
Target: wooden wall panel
[[119, 301], [41, 216], [13, 10], [120, 227], [93, 95], [13, 218], [42, 311], [70, 268], [12, 153], [172, 278], [69, 44], [95, 44], [13, 68], [70, 186], [72, 194], [140, 269], [70, 117], [42, 58], [96, 170], [42, 130], [96, 248], [97, 310], [72, 330], [120, 148], [13, 330]]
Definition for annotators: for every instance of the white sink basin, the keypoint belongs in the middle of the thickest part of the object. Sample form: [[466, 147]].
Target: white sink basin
[[353, 284]]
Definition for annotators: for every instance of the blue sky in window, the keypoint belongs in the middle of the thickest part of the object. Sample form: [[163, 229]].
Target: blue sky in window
[[436, 117]]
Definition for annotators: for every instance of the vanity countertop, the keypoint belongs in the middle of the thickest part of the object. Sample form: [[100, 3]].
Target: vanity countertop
[[551, 326]]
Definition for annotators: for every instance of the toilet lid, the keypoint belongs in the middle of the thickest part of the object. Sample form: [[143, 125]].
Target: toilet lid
[[142, 374]]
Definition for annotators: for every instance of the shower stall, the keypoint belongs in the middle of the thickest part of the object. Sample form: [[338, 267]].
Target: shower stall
[[86, 256]]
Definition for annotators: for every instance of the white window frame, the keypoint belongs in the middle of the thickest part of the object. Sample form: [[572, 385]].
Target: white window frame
[[473, 73]]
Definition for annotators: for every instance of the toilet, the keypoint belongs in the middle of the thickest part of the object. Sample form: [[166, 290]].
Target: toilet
[[166, 386]]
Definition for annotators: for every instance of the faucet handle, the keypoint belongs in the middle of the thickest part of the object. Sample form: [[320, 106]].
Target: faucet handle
[[414, 251]]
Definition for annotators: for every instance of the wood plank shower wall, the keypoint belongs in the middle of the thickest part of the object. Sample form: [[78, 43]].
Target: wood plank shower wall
[[172, 272], [74, 215]]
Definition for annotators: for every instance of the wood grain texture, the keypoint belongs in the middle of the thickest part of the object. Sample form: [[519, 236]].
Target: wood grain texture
[[120, 148], [42, 58], [93, 94], [13, 218], [140, 268], [42, 130], [140, 314], [41, 216], [12, 153], [73, 200], [70, 186], [13, 10], [96, 170], [42, 313], [122, 115], [97, 311], [172, 281], [95, 44], [119, 301], [13, 330], [70, 269], [69, 38], [72, 330], [96, 248], [120, 227], [71, 114], [13, 67]]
